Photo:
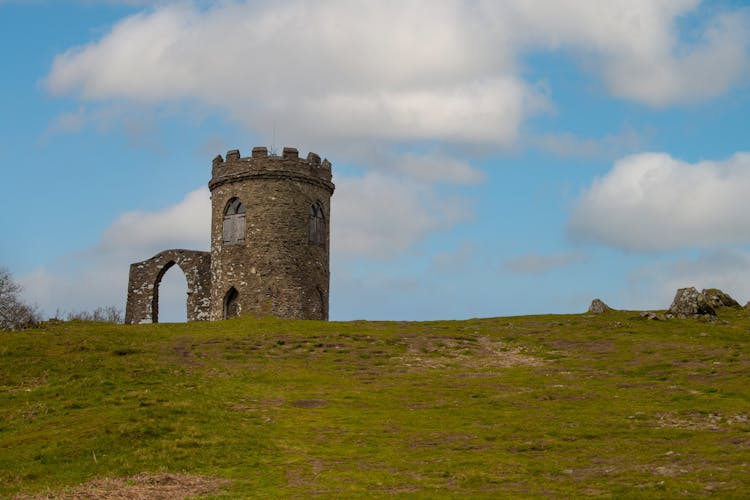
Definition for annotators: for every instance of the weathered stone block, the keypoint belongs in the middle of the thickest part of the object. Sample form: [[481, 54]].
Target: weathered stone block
[[598, 307], [690, 302]]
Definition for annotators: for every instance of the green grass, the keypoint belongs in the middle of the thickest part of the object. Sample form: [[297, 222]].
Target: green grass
[[535, 406]]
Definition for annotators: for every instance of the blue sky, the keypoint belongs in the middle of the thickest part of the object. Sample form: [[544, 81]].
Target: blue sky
[[491, 158]]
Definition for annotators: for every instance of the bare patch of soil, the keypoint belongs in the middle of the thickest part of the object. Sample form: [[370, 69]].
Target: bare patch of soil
[[482, 352], [28, 385], [144, 486], [699, 421]]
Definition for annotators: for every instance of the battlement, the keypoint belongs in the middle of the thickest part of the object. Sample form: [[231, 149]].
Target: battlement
[[263, 163]]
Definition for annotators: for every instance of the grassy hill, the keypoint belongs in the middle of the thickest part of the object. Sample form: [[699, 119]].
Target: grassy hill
[[562, 405]]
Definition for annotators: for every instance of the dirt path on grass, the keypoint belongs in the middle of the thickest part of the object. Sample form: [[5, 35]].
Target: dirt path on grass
[[144, 486]]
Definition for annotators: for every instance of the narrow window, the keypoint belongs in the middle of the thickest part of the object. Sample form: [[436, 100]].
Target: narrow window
[[231, 304], [317, 225], [234, 222]]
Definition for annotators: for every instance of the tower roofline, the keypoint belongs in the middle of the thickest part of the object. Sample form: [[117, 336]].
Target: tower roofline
[[264, 165]]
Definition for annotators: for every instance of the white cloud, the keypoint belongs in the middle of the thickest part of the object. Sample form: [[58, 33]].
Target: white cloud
[[668, 77], [380, 216], [329, 69], [652, 201], [536, 263], [398, 71], [637, 47], [184, 225], [482, 111]]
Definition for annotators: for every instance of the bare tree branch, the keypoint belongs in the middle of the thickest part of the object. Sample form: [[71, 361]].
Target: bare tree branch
[[14, 314]]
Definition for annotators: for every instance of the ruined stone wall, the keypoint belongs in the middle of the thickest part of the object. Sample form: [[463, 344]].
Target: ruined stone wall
[[276, 270], [145, 276]]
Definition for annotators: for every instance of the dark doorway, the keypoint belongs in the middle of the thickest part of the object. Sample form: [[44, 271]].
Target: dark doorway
[[231, 304]]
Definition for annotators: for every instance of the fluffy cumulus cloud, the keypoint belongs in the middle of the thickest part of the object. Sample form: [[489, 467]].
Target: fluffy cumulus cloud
[[665, 76], [636, 45], [398, 71], [323, 69], [380, 216], [184, 225], [652, 201]]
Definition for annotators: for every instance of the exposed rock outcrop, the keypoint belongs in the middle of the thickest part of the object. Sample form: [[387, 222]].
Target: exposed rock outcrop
[[689, 302], [716, 298], [598, 307], [656, 316]]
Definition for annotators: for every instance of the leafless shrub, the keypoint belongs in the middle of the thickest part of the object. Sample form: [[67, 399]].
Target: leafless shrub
[[108, 314], [14, 313]]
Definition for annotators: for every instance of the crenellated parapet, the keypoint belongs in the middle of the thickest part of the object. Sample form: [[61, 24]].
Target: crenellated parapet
[[264, 165]]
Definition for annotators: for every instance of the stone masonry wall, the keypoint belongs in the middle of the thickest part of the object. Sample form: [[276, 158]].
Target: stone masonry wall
[[276, 270], [145, 276]]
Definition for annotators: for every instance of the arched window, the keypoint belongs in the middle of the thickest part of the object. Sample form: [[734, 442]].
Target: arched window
[[234, 222], [317, 225], [231, 304]]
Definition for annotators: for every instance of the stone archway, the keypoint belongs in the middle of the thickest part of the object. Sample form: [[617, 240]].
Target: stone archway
[[156, 316], [145, 276]]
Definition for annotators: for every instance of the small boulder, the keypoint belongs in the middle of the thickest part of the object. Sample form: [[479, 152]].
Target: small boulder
[[716, 298], [598, 307], [656, 316], [747, 306], [689, 302]]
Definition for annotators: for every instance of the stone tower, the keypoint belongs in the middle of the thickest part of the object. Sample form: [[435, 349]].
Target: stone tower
[[270, 235], [269, 244]]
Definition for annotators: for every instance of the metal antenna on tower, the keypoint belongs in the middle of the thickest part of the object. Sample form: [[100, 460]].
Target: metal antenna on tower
[[273, 144]]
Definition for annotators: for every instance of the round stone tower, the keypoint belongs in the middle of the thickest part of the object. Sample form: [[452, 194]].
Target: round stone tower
[[270, 235]]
